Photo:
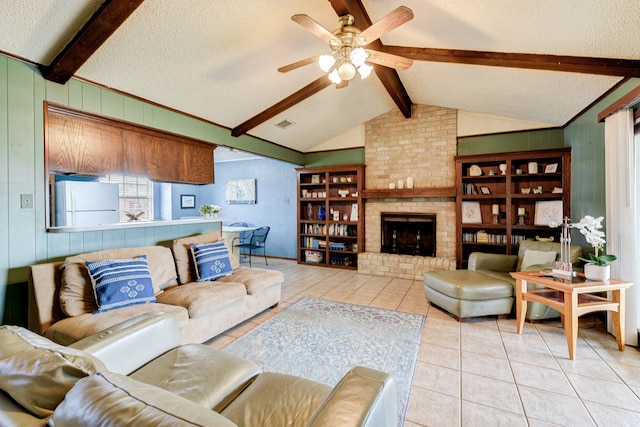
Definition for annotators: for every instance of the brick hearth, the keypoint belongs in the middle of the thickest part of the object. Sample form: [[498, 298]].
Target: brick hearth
[[422, 147]]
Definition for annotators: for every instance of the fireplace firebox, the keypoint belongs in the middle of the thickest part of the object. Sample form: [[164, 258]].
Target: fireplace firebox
[[408, 233]]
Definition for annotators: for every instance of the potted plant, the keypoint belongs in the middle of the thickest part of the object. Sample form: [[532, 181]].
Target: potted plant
[[597, 266], [210, 210]]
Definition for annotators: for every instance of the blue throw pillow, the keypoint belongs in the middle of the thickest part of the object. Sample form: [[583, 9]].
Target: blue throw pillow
[[211, 260], [121, 282]]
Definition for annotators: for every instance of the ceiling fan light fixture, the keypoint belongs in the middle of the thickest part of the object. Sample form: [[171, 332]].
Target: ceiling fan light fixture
[[346, 70], [364, 70], [335, 77], [358, 56], [325, 62]]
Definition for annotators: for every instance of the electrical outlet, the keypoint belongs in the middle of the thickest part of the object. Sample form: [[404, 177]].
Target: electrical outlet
[[26, 201]]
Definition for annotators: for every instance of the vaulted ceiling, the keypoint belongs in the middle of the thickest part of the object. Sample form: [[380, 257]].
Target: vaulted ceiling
[[536, 62]]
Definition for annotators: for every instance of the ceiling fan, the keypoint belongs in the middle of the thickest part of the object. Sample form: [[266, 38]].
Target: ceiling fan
[[351, 50], [394, 58]]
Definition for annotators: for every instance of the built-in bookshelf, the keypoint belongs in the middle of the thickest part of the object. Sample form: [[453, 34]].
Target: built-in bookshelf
[[330, 215], [505, 198]]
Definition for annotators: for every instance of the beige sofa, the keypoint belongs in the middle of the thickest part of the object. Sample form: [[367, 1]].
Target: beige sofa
[[486, 288], [62, 301], [137, 374]]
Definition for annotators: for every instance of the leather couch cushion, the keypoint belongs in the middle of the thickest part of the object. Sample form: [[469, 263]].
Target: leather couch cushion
[[200, 298], [255, 279], [108, 399], [575, 252], [184, 261], [72, 329], [277, 400], [468, 285], [76, 292], [37, 373], [207, 376]]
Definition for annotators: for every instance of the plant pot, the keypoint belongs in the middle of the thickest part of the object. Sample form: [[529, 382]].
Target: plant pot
[[207, 215], [597, 272]]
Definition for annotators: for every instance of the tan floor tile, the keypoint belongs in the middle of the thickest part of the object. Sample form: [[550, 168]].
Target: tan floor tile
[[475, 415], [553, 380], [437, 378], [554, 408], [606, 416], [476, 344], [491, 392], [428, 408], [488, 366], [606, 392], [438, 355]]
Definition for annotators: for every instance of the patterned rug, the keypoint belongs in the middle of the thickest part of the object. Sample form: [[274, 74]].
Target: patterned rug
[[322, 340]]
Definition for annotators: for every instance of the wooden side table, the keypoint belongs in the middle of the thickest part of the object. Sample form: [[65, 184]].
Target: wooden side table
[[572, 297]]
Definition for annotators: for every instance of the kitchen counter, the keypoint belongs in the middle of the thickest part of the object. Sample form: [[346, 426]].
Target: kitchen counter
[[139, 224]]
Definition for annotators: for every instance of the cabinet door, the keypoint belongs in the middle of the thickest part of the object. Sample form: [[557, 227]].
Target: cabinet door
[[83, 147]]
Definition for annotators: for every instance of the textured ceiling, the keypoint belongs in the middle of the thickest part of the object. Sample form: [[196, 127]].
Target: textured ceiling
[[218, 59]]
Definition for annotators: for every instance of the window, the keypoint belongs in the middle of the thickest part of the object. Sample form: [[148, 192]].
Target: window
[[136, 197]]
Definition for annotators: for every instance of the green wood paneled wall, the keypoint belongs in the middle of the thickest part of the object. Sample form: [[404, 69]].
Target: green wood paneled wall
[[512, 141], [22, 231]]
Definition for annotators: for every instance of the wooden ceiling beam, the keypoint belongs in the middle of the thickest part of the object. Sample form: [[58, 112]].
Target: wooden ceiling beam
[[103, 23], [388, 76], [571, 64], [310, 89]]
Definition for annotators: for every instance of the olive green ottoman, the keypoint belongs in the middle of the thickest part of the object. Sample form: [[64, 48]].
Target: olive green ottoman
[[469, 293]]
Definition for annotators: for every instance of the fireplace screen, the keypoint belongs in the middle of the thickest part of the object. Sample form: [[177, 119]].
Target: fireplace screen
[[408, 234]]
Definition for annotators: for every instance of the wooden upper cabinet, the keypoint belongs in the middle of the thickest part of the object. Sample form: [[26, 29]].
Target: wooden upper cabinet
[[81, 143], [83, 147]]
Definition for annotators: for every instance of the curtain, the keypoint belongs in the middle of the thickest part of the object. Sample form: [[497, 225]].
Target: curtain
[[621, 211]]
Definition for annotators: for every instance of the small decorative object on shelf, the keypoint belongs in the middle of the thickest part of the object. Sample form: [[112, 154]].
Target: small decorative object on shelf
[[521, 215], [410, 182], [495, 210]]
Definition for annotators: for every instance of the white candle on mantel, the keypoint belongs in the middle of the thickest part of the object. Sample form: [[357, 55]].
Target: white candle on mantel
[[495, 209], [520, 211]]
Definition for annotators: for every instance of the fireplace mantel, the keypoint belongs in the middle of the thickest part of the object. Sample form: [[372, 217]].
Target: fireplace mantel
[[435, 192]]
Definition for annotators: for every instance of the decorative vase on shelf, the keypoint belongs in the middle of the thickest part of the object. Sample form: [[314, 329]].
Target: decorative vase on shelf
[[597, 272], [206, 215], [214, 215]]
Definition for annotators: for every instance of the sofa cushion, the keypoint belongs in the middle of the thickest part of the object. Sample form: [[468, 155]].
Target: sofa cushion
[[468, 285], [72, 329], [76, 291], [203, 297], [191, 370], [121, 282], [255, 279], [184, 260], [108, 399], [211, 260], [532, 257], [297, 401], [574, 254], [36, 372]]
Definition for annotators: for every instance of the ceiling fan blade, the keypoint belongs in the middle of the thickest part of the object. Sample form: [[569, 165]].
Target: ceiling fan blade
[[298, 64], [389, 60], [342, 84], [316, 29], [390, 21]]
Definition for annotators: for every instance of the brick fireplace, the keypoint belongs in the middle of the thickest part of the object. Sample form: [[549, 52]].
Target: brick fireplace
[[423, 148]]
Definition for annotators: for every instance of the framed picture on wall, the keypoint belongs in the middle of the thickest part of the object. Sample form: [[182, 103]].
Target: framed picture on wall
[[187, 201], [241, 191], [548, 211]]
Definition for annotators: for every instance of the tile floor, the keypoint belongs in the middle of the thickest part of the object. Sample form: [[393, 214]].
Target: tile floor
[[482, 373]]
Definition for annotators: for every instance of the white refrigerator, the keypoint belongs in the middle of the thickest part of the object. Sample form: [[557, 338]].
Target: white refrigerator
[[84, 203]]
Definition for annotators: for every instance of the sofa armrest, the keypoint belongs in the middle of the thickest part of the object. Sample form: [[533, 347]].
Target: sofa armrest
[[363, 397], [127, 346], [493, 262]]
